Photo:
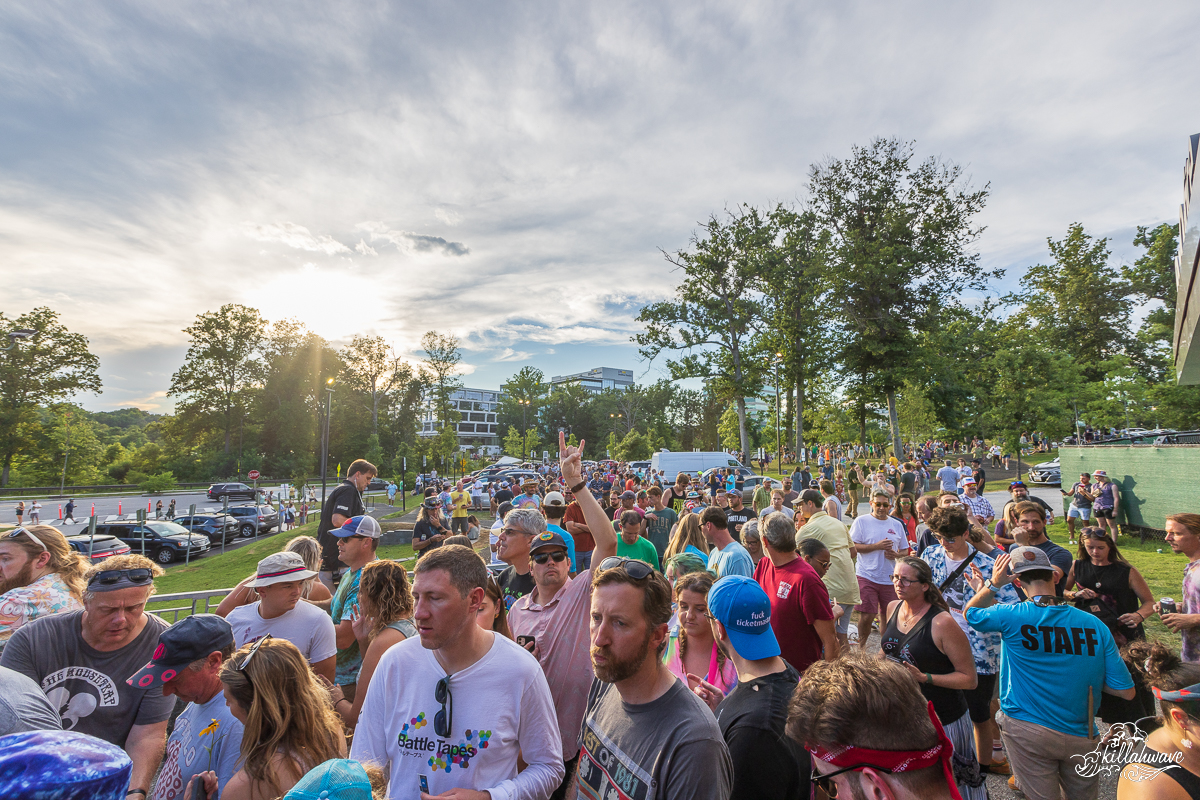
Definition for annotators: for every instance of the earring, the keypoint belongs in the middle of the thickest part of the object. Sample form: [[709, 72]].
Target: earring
[[1186, 742]]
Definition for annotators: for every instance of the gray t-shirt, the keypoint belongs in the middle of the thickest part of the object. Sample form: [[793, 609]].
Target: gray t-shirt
[[306, 626], [86, 686], [667, 748], [23, 707]]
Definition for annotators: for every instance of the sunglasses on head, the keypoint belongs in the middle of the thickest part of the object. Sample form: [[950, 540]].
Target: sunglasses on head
[[634, 568], [825, 781], [541, 558], [110, 576], [15, 532], [241, 668]]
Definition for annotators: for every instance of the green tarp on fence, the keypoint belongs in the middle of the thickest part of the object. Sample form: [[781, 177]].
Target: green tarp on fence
[[1155, 481]]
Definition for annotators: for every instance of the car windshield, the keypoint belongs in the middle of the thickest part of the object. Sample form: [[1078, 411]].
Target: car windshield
[[166, 528]]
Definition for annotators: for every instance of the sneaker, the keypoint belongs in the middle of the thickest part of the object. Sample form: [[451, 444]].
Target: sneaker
[[997, 768], [1012, 784]]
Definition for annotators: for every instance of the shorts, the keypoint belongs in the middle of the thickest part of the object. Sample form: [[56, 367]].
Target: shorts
[[1080, 513], [979, 699], [843, 623], [875, 596], [329, 553], [1103, 513], [459, 525]]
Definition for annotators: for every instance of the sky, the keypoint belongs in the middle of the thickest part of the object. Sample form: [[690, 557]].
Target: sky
[[511, 173]]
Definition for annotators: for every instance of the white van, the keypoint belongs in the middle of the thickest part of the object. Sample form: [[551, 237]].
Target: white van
[[672, 464]]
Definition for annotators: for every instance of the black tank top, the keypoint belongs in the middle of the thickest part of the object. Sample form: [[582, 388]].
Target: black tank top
[[918, 648], [1187, 780]]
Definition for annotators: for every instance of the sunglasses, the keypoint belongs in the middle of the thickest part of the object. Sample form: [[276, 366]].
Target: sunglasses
[[825, 781], [241, 668], [443, 720], [110, 576], [558, 556], [634, 568], [15, 532]]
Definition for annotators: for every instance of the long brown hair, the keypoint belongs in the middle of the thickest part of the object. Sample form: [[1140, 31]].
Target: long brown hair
[[700, 583], [69, 565], [386, 594], [496, 595], [1099, 535], [687, 532], [287, 711]]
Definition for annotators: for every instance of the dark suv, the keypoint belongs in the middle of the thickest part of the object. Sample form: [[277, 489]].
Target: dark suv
[[238, 491], [165, 541], [217, 527], [253, 520]]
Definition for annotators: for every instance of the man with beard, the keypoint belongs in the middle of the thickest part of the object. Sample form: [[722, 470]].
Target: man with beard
[[552, 620], [39, 575], [645, 733], [81, 660], [1020, 494]]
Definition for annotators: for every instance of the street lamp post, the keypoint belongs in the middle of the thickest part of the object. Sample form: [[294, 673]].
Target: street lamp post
[[778, 444], [325, 438]]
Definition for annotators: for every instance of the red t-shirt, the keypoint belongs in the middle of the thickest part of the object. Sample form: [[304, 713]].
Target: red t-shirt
[[798, 599], [584, 543]]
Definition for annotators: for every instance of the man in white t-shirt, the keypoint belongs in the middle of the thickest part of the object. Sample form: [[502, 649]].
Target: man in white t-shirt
[[280, 612], [449, 713], [878, 539]]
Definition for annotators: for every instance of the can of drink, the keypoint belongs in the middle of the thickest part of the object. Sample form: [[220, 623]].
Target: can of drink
[[1167, 606]]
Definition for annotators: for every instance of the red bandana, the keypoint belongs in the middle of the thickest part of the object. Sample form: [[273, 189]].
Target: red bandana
[[847, 755]]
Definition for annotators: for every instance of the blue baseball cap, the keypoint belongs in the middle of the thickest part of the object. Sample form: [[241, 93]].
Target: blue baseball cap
[[359, 526], [741, 605], [336, 779]]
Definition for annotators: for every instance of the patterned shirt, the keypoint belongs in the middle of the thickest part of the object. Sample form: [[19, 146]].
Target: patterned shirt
[[979, 506], [45, 596], [1191, 605], [349, 659], [984, 646]]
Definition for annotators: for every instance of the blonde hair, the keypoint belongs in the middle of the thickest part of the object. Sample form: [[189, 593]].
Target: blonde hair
[[287, 711], [69, 565], [384, 585], [687, 532], [124, 561]]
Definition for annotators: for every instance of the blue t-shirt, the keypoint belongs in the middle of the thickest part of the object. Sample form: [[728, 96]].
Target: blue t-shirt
[[733, 560], [570, 540], [949, 477], [1049, 658]]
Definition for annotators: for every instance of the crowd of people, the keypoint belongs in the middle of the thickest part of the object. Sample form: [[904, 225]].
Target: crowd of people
[[619, 635]]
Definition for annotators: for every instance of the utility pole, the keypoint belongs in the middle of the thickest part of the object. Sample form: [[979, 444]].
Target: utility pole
[[325, 438], [66, 454]]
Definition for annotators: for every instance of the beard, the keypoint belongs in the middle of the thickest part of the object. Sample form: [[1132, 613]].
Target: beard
[[615, 670], [23, 579]]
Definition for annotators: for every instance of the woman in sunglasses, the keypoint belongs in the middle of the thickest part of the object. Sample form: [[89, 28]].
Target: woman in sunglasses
[[288, 725], [1173, 739]]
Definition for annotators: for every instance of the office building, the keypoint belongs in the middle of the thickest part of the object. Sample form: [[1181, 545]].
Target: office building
[[598, 379], [478, 408]]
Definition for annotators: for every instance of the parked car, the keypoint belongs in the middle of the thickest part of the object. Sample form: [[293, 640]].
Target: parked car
[[164, 541], [1047, 472], [753, 482], [672, 464], [234, 491], [377, 484], [96, 549], [253, 520], [217, 527]]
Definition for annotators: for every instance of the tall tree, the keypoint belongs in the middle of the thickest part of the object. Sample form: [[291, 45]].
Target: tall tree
[[524, 395], [1077, 302], [291, 405], [50, 366], [716, 319], [370, 366], [223, 367], [442, 358], [899, 234]]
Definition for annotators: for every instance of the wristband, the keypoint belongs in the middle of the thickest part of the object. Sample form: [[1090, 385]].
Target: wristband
[[142, 792], [929, 678], [576, 489]]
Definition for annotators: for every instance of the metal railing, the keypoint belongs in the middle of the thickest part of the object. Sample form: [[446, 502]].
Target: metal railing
[[189, 602]]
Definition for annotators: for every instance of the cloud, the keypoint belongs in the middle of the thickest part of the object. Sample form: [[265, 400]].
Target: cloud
[[508, 354], [365, 249], [414, 242], [296, 236]]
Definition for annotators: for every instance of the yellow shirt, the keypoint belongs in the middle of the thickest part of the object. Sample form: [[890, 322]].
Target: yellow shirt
[[461, 502], [840, 580]]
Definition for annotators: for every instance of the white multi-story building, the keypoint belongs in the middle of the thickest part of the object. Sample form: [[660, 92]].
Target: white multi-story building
[[598, 379], [478, 408]]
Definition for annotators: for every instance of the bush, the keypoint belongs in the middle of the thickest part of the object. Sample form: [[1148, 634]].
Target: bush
[[162, 482]]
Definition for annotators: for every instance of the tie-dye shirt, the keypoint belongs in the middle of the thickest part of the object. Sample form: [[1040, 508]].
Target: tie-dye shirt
[[45, 596], [1191, 605]]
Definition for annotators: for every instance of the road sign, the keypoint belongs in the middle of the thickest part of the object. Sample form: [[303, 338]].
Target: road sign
[[252, 474]]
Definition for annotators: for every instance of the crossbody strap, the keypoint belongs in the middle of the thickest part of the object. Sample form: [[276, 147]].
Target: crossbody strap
[[961, 568]]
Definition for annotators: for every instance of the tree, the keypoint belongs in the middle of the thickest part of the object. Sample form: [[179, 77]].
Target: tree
[[522, 399], [716, 319], [634, 446], [222, 368], [442, 358], [897, 250], [1033, 390], [370, 367], [50, 366], [1077, 302]]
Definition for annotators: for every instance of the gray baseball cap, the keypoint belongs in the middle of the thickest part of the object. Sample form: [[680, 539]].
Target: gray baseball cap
[[1027, 558]]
